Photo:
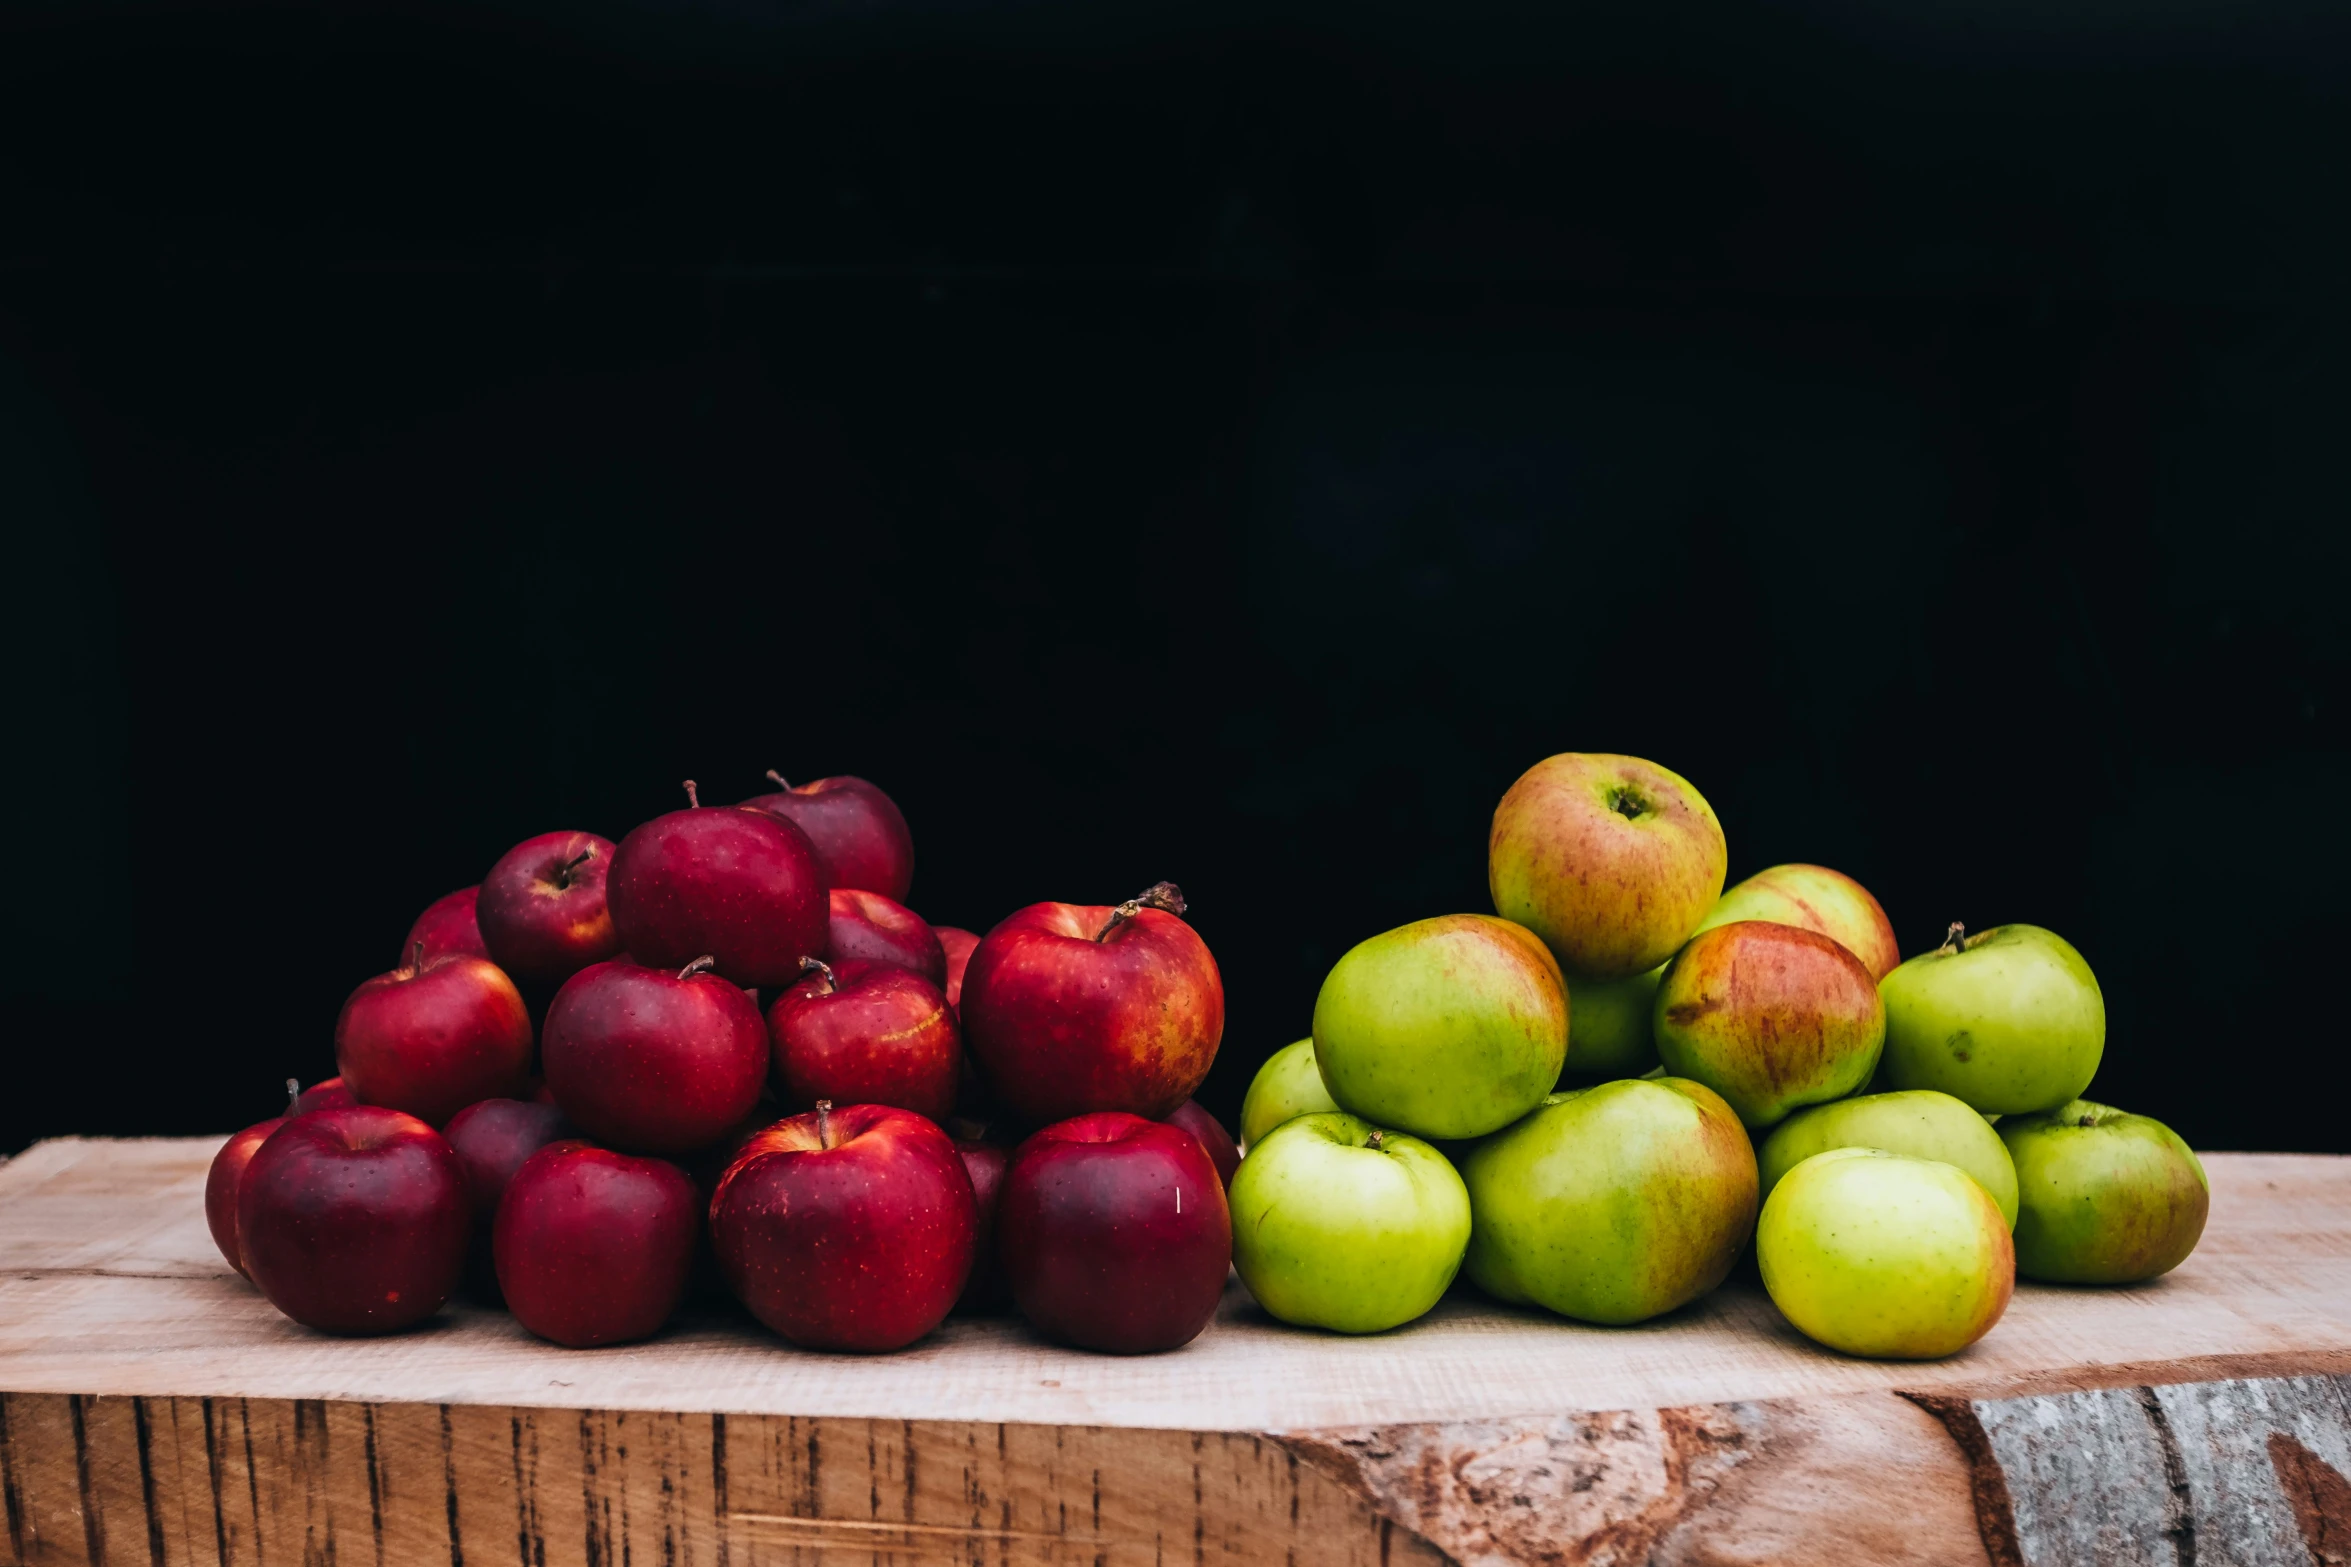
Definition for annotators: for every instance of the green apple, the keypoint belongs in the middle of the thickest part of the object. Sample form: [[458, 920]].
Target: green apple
[[1340, 1224], [1814, 898], [2009, 1019], [1608, 1030], [1771, 1017], [1613, 1203], [1288, 1086], [1919, 1123], [1448, 1027], [1610, 859], [2106, 1197], [1877, 1254]]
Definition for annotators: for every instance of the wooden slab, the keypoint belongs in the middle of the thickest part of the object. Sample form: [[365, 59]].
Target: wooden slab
[[155, 1409]]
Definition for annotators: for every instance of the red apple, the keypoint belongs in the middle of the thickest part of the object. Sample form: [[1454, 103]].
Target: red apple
[[221, 1181], [492, 1139], [432, 1038], [447, 928], [593, 1247], [653, 1061], [542, 909], [875, 929], [957, 943], [354, 1221], [859, 834], [985, 1163], [742, 886], [1071, 1008], [867, 1033], [1212, 1135], [846, 1229], [328, 1093], [1114, 1233]]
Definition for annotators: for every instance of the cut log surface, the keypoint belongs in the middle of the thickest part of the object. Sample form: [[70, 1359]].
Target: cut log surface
[[154, 1409]]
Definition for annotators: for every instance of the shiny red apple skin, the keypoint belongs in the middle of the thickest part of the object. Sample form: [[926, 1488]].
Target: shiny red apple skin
[[1114, 1233], [853, 1230], [430, 1041], [742, 886], [354, 1221], [651, 1060], [957, 943], [448, 928], [221, 1181], [594, 1247], [1222, 1152], [542, 913], [328, 1093], [985, 1163], [492, 1139], [871, 1033], [859, 832], [1064, 1024], [871, 928]]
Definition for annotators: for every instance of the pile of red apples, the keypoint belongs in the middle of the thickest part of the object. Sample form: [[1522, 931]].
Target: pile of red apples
[[723, 1054]]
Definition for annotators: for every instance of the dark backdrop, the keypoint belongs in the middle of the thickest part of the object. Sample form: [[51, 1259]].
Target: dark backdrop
[[1225, 444]]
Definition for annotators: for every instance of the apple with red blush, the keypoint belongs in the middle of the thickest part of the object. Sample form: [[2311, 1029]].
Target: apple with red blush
[[433, 1036], [328, 1093], [1073, 1008], [867, 1033], [958, 944], [740, 886], [221, 1183], [1213, 1137], [448, 928], [594, 1247], [650, 1060], [868, 927], [491, 1139], [985, 1163], [355, 1220], [542, 912], [859, 832], [850, 1229], [1114, 1234]]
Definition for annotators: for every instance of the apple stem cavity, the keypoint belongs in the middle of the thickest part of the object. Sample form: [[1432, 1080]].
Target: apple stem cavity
[[1954, 939], [563, 871], [820, 966], [779, 780], [701, 965], [693, 798], [1375, 1142], [824, 1123], [1165, 896], [1626, 803]]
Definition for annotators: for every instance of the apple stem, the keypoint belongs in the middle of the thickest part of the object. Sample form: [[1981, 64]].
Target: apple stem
[[1165, 896], [819, 966], [824, 1123], [693, 799], [701, 965], [1954, 939], [1373, 1142], [293, 1094], [416, 956], [563, 871], [781, 782]]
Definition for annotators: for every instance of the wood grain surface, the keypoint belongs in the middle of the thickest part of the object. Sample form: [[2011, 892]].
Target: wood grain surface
[[154, 1410]]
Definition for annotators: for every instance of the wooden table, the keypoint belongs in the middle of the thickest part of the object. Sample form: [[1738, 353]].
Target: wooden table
[[154, 1410]]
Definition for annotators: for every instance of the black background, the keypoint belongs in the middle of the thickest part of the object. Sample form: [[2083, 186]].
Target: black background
[[1226, 444]]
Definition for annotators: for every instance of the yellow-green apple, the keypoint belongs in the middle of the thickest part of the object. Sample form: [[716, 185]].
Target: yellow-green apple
[[1341, 1224], [1771, 1017], [2009, 1019], [1814, 897], [2106, 1197], [1609, 1029], [1878, 1254], [1611, 860], [1448, 1027], [1288, 1086], [1611, 1204], [1917, 1122]]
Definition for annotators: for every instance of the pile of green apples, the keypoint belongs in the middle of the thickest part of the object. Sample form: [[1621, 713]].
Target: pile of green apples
[[1564, 1098]]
